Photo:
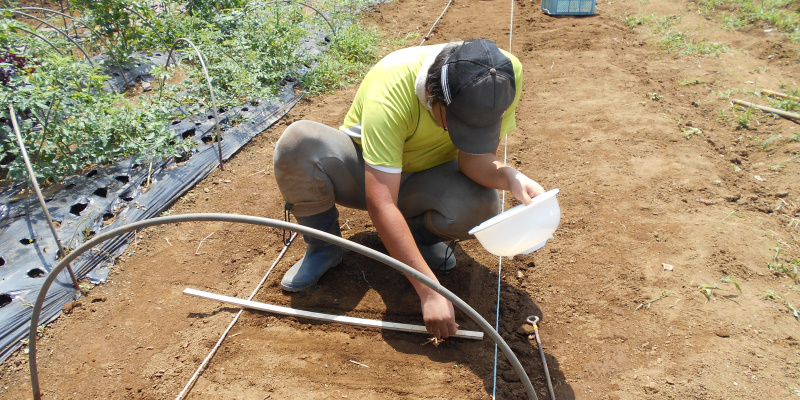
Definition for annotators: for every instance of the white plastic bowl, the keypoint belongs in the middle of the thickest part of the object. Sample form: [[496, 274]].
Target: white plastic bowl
[[522, 229]]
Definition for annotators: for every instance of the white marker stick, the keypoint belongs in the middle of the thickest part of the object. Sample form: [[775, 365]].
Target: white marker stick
[[342, 319]]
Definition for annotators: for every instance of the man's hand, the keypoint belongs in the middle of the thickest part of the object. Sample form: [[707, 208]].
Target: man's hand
[[438, 314], [382, 190], [487, 170], [524, 188]]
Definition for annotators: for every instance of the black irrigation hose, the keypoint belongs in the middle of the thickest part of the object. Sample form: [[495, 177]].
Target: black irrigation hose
[[403, 268]]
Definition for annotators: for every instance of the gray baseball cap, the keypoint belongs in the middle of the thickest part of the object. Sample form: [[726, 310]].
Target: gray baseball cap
[[478, 84]]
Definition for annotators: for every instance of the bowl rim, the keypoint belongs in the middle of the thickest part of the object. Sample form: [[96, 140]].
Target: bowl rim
[[513, 211]]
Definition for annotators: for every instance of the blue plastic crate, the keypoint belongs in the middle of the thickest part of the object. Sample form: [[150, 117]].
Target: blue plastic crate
[[568, 7]]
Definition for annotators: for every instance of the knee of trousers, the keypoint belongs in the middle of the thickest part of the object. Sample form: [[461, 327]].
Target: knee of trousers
[[484, 203], [298, 144], [297, 168], [481, 205]]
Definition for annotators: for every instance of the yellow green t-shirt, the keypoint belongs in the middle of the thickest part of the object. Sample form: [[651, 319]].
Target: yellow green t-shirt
[[397, 132]]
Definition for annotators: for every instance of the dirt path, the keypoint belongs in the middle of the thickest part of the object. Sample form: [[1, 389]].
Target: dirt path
[[652, 210]]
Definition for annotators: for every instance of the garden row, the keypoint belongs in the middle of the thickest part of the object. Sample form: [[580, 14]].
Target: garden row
[[57, 68]]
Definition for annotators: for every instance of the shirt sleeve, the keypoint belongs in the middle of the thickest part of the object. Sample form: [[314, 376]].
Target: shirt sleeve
[[509, 122]]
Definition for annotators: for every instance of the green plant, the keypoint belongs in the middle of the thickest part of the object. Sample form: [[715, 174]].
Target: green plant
[[779, 267], [770, 294], [69, 122], [115, 24], [635, 20], [743, 118], [795, 136], [708, 289], [206, 9], [780, 14], [677, 42], [250, 48], [348, 59], [647, 304], [690, 81], [690, 131]]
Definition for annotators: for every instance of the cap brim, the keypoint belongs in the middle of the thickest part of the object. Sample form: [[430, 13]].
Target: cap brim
[[473, 139]]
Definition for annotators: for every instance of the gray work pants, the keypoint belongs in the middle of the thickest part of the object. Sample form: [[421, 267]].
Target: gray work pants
[[317, 166]]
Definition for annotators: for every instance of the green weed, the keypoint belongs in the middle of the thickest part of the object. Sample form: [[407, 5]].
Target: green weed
[[636, 20], [690, 131], [743, 118], [780, 14], [664, 295], [709, 289], [690, 82], [770, 294], [677, 42], [654, 96], [779, 267], [767, 142], [348, 59]]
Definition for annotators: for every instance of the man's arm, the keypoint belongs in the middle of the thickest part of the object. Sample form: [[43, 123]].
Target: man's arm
[[382, 190], [487, 170]]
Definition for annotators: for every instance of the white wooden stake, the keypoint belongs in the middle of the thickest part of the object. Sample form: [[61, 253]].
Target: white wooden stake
[[342, 319]]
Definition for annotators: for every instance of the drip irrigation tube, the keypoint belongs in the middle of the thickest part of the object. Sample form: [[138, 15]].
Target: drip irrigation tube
[[403, 268], [210, 90]]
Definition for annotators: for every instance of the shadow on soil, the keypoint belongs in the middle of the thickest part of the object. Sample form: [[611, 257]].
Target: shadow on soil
[[343, 290]]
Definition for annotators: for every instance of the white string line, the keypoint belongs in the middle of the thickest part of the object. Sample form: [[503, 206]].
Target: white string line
[[235, 319], [502, 208], [428, 35]]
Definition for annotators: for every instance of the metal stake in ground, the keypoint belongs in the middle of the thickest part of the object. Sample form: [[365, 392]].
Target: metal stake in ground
[[61, 250], [533, 319]]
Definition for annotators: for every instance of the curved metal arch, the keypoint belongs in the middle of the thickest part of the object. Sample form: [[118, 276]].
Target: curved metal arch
[[47, 10], [403, 268], [37, 35], [76, 21], [333, 30], [26, 15], [210, 90]]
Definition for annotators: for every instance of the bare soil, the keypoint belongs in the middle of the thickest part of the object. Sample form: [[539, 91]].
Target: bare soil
[[652, 213]]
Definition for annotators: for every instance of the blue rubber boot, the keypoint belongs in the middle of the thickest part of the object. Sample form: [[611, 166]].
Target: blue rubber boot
[[437, 254], [320, 255]]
